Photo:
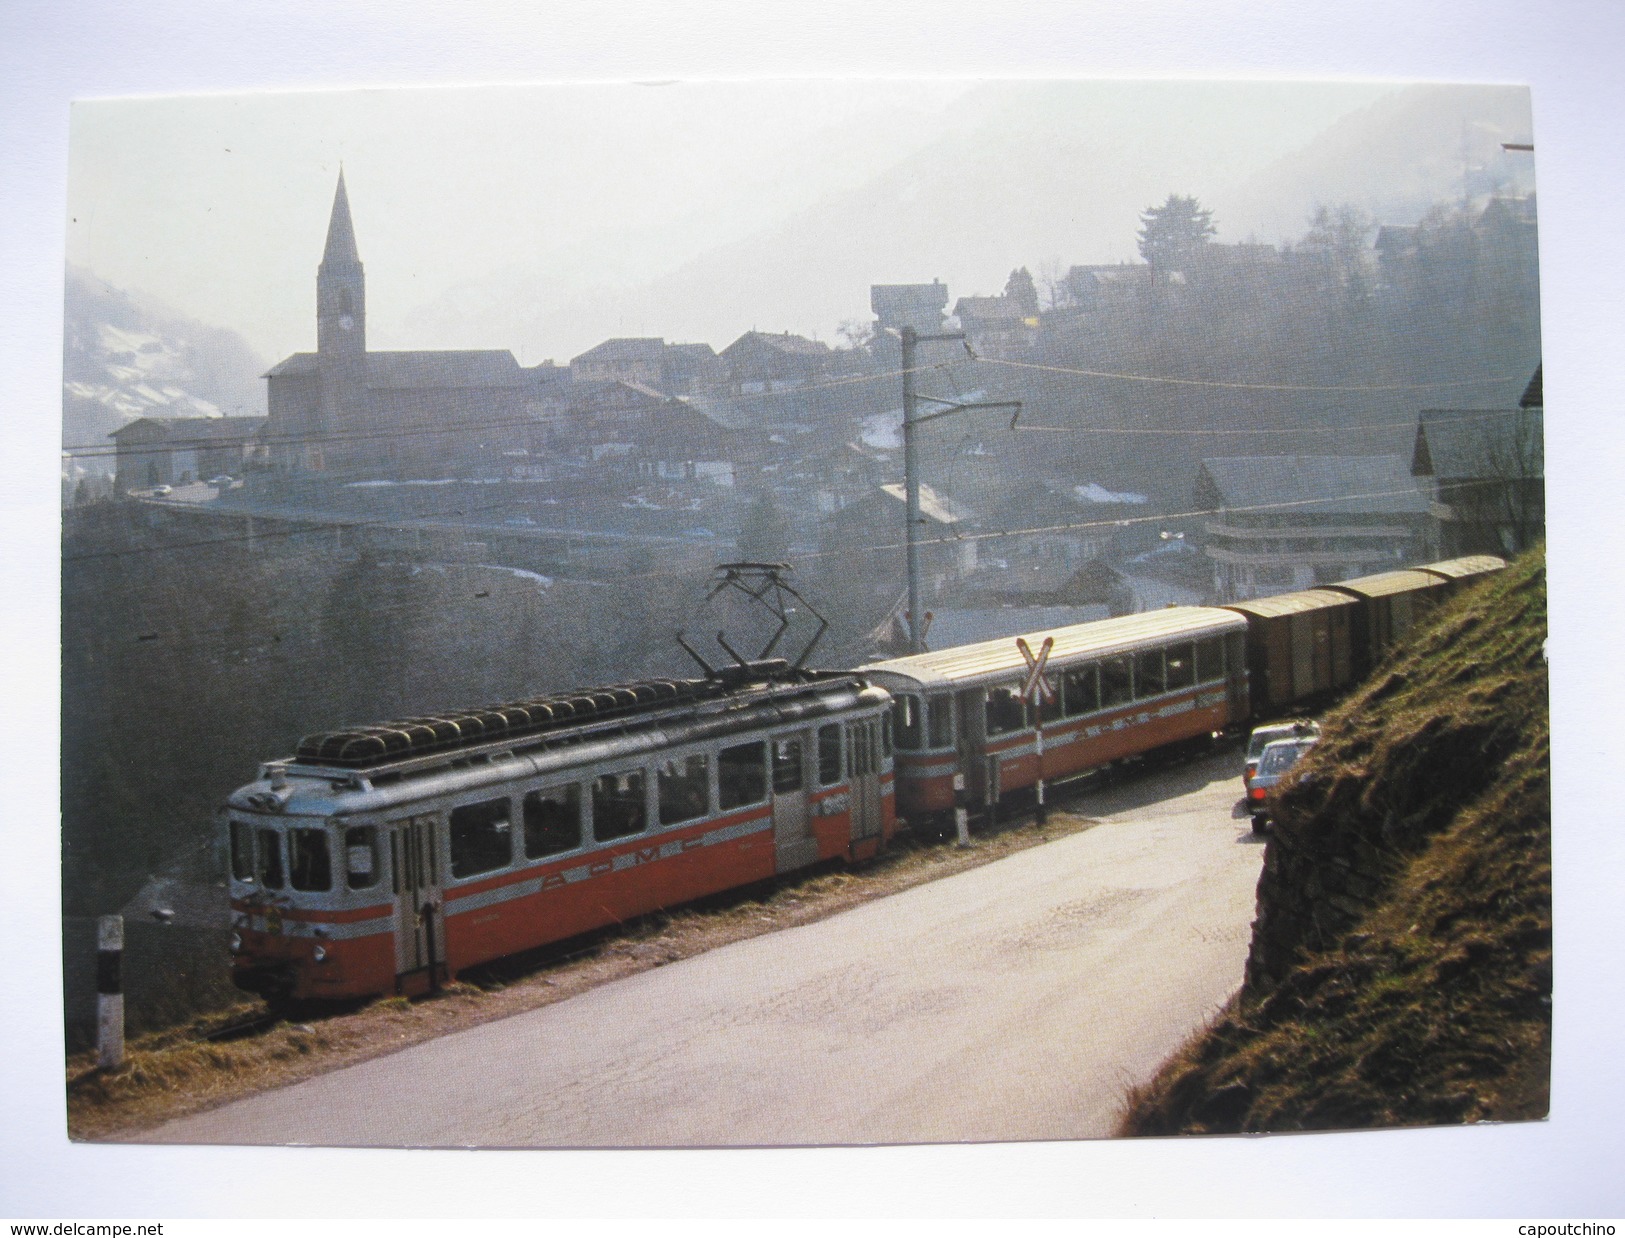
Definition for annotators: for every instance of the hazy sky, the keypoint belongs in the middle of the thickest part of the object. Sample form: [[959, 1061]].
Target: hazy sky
[[218, 205]]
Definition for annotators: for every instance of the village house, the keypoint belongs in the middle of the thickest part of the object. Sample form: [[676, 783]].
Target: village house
[[1292, 522], [172, 451]]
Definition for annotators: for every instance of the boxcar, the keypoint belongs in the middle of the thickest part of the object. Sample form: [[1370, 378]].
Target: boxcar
[[1122, 687], [1465, 572], [1391, 603], [1299, 647]]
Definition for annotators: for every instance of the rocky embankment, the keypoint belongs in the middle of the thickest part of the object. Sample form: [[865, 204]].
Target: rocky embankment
[[1400, 970]]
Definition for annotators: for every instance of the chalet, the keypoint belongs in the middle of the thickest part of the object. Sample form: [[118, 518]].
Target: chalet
[[1291, 522], [1485, 473], [998, 327]]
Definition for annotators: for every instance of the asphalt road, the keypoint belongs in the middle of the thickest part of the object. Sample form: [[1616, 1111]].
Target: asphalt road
[[1015, 1001]]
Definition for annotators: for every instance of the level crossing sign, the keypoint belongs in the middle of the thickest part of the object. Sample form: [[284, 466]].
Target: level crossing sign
[[1037, 686]]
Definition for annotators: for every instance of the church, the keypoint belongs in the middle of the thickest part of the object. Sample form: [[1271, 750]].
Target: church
[[343, 413]]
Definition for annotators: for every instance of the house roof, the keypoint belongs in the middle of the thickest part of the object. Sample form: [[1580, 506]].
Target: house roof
[[630, 348], [184, 431], [903, 300], [1480, 443], [1314, 484], [933, 506], [984, 308], [791, 345], [423, 369]]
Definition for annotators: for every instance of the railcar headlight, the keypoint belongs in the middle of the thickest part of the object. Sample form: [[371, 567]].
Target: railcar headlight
[[236, 943], [320, 954]]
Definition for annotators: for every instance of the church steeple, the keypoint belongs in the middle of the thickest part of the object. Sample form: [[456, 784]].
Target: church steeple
[[341, 289]]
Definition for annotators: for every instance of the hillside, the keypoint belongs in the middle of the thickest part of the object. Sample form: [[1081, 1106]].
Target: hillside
[[1401, 963]]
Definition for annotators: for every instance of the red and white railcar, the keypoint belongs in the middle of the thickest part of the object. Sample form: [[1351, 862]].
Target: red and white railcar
[[1120, 687], [388, 858]]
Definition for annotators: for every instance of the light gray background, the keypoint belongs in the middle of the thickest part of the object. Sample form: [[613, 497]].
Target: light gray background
[[1567, 51]]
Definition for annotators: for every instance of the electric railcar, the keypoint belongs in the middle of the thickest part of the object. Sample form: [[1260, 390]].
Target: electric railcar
[[389, 858]]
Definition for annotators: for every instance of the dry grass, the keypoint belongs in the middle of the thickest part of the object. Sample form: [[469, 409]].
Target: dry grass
[[1431, 1003], [181, 1071]]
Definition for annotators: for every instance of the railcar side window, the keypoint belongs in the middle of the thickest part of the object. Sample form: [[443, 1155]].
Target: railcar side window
[[1081, 687], [1148, 674], [1005, 711], [271, 859], [829, 754], [905, 712], [885, 736], [1181, 666], [552, 821], [786, 766], [742, 775], [683, 787], [1116, 682], [618, 808], [1210, 659], [481, 838], [361, 856], [242, 851], [1049, 707], [941, 715]]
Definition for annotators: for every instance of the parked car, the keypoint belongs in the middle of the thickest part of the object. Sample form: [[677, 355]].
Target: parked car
[[1277, 758], [160, 491], [1264, 736], [222, 481]]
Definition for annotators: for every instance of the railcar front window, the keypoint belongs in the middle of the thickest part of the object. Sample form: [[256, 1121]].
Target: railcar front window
[[481, 838], [361, 856], [941, 715], [742, 775], [683, 787], [1005, 711], [829, 754], [310, 864], [906, 722], [618, 807], [242, 851], [1116, 682], [552, 821], [270, 850], [786, 766]]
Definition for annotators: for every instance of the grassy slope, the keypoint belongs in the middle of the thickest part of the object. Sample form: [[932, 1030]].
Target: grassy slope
[[1401, 967]]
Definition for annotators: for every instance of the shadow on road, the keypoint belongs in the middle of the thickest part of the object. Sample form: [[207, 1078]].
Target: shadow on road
[[1148, 782]]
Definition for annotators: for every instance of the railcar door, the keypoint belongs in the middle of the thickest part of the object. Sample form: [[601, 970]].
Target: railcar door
[[420, 937], [793, 842], [863, 774]]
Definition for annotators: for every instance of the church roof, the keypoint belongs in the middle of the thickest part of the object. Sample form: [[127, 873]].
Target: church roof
[[340, 250], [483, 367]]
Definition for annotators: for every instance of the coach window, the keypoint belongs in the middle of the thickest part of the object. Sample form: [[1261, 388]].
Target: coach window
[[1005, 711], [786, 766], [1181, 666], [271, 859], [1116, 682], [742, 775], [618, 807], [1081, 687], [361, 856], [242, 851], [941, 715], [1210, 659], [683, 789], [829, 754], [552, 821], [481, 838], [1148, 674], [906, 719]]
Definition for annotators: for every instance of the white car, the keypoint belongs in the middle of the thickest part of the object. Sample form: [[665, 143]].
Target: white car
[[160, 491], [1263, 736]]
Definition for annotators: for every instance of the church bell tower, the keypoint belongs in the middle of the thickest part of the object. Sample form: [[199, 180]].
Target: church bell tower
[[341, 290]]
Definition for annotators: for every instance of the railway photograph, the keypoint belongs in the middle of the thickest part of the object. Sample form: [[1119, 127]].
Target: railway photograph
[[803, 613]]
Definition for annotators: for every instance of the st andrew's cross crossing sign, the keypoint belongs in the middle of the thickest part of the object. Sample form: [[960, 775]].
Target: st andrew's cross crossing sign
[[1036, 687]]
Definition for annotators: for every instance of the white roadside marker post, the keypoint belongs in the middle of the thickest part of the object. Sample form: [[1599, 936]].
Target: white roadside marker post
[[110, 992]]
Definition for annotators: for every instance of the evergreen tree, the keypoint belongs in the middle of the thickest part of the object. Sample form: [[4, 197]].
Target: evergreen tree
[[1021, 289], [1171, 234]]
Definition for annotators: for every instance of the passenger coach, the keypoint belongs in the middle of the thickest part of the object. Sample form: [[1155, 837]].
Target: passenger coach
[[388, 858], [1121, 687]]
